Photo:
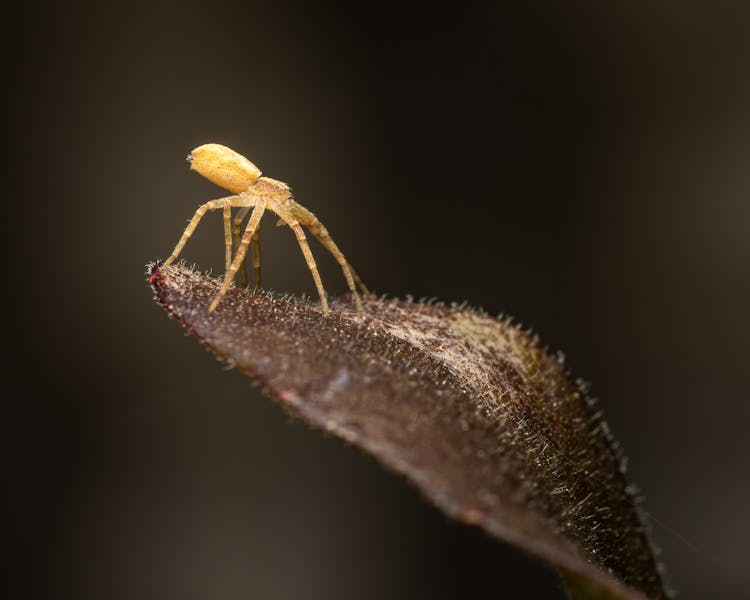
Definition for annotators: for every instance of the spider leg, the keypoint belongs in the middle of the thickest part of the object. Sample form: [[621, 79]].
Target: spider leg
[[238, 218], [255, 250], [252, 226], [227, 235], [305, 247], [256, 258], [202, 210], [321, 233]]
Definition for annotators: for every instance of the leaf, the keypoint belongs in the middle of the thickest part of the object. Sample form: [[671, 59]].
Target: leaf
[[470, 408]]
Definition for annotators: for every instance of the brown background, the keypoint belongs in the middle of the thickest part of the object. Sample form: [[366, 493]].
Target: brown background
[[582, 168]]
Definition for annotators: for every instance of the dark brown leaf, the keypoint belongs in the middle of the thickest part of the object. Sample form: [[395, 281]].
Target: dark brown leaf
[[470, 408]]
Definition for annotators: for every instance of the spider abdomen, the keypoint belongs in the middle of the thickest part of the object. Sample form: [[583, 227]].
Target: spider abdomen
[[224, 167]]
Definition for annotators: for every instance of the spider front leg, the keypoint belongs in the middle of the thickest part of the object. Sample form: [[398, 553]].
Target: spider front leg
[[202, 210], [239, 257], [290, 220], [321, 233]]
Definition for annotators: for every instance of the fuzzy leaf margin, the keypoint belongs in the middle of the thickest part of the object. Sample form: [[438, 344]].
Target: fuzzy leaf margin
[[471, 409]]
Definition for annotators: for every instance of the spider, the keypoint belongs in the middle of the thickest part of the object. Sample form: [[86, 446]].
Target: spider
[[232, 171]]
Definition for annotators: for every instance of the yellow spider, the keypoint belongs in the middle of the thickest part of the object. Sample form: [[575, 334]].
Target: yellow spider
[[232, 171]]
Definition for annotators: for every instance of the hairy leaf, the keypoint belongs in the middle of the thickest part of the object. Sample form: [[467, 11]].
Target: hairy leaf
[[470, 408]]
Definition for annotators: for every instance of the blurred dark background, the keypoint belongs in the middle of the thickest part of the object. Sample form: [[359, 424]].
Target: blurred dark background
[[579, 166]]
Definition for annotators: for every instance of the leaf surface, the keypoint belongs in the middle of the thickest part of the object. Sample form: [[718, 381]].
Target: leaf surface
[[471, 409]]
